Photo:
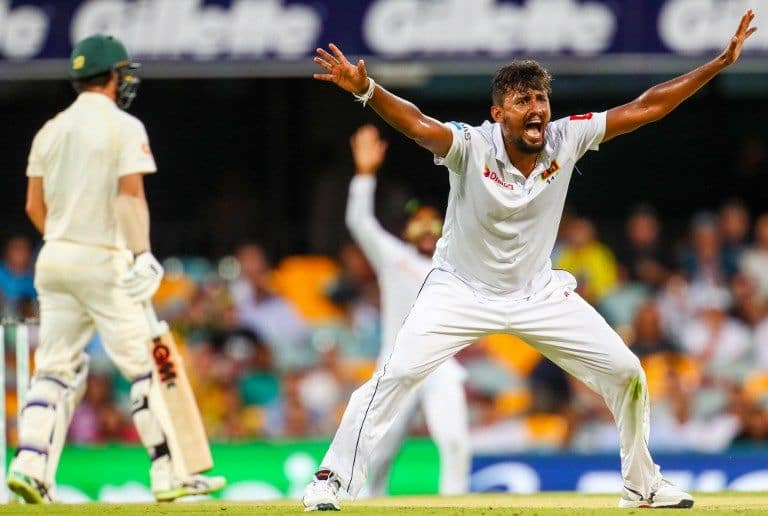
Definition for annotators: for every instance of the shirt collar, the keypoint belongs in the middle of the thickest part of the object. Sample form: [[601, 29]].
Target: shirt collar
[[92, 96], [501, 151]]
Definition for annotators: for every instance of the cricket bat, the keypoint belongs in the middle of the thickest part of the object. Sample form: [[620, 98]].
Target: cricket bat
[[183, 416]]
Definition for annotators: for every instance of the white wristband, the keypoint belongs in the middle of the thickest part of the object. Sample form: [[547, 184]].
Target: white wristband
[[365, 97]]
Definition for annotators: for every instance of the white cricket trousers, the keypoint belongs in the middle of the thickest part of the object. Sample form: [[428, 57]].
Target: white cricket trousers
[[443, 402], [78, 291], [448, 316]]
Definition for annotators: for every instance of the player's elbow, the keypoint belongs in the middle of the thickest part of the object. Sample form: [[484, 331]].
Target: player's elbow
[[34, 209], [353, 219], [648, 111]]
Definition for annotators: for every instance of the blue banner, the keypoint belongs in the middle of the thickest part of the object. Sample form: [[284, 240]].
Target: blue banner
[[205, 31], [745, 470]]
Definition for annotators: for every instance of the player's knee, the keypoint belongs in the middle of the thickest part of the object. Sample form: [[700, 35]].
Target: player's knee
[[628, 369], [47, 388], [39, 413], [140, 386], [401, 373]]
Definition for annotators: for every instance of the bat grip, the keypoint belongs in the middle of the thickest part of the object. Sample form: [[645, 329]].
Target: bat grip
[[156, 327]]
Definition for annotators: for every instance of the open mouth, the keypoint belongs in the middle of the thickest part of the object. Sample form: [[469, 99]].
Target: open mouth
[[534, 129]]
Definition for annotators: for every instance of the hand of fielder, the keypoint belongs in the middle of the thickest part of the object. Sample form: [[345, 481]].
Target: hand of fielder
[[731, 54], [345, 75], [368, 150]]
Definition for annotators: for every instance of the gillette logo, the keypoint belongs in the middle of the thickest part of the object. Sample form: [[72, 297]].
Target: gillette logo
[[493, 176]]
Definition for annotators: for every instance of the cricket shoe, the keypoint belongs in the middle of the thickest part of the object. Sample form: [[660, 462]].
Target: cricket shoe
[[194, 485], [666, 495], [29, 489], [322, 493]]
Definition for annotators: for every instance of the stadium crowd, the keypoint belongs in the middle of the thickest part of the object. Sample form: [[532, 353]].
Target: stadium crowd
[[274, 350]]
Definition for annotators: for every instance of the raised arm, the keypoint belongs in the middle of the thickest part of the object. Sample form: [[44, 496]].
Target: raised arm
[[368, 151], [399, 113], [659, 101]]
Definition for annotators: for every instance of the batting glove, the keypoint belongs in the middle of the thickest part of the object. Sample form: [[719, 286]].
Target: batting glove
[[143, 278]]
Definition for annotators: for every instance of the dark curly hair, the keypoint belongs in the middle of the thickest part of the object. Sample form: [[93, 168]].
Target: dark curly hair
[[519, 76]]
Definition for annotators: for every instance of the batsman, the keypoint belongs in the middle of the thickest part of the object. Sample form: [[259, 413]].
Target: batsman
[[95, 272]]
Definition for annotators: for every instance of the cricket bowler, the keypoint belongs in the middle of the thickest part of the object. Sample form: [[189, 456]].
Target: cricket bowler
[[492, 271], [401, 267], [85, 195]]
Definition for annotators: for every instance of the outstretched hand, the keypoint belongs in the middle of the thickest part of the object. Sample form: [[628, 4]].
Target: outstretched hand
[[345, 75], [731, 54], [368, 150]]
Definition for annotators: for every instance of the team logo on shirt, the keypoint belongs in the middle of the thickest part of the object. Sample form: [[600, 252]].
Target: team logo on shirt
[[493, 176], [146, 150], [551, 171]]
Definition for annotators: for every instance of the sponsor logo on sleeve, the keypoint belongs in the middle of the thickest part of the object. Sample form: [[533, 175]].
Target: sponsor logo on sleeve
[[585, 116], [464, 128]]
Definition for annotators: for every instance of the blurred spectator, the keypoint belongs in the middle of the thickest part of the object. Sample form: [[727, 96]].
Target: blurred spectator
[[747, 306], [590, 261], [692, 419], [264, 312], [734, 231], [259, 384], [97, 419], [648, 335], [754, 261], [761, 345], [721, 343], [675, 305], [644, 256], [16, 274], [357, 291], [704, 262]]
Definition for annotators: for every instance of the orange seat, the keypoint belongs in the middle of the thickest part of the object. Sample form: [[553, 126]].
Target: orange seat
[[512, 402], [547, 429], [302, 280], [512, 352], [756, 386]]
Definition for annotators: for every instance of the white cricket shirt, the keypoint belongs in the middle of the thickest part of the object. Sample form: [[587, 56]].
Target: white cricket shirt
[[400, 268], [80, 154], [500, 227]]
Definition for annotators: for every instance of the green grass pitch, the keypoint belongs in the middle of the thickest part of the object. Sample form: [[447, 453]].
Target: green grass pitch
[[545, 504]]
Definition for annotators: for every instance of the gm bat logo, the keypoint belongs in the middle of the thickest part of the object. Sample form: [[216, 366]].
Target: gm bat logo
[[165, 368]]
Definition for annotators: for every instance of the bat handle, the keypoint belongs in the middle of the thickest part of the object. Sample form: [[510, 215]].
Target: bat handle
[[156, 327]]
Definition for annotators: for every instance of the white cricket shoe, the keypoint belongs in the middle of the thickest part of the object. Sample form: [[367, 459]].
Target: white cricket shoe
[[322, 494], [666, 495]]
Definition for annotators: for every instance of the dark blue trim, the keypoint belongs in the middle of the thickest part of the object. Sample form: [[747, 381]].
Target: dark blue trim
[[142, 378], [55, 380], [362, 425], [38, 403], [33, 449]]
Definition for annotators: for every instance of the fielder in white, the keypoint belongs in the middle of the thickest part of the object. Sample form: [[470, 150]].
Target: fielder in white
[[86, 196], [401, 267], [492, 274]]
